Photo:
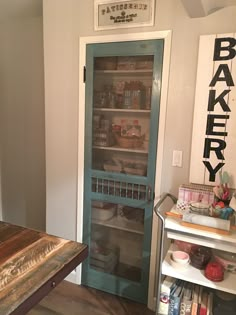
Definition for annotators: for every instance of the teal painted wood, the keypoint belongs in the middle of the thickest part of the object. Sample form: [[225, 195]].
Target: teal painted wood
[[121, 287], [119, 176], [100, 280]]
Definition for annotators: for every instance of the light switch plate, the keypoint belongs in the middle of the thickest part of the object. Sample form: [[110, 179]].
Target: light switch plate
[[177, 158]]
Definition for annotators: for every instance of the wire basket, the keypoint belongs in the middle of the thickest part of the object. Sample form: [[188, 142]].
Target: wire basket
[[129, 142]]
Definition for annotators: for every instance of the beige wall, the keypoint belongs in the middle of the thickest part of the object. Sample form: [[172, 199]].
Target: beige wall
[[0, 191], [64, 23], [22, 122]]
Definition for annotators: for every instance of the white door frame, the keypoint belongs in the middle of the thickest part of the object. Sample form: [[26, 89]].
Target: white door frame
[[166, 35]]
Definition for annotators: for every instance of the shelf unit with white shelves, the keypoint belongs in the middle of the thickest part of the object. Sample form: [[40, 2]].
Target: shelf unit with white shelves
[[209, 239], [172, 228], [195, 275]]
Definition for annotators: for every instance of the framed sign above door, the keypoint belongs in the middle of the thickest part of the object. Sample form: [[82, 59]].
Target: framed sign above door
[[112, 14]]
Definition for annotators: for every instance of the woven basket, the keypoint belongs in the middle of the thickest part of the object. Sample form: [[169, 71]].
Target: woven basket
[[106, 63], [129, 142]]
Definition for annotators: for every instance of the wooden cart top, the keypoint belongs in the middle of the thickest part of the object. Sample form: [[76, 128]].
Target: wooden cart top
[[32, 263]]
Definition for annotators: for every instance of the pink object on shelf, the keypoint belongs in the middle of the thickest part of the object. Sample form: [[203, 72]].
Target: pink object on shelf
[[180, 257], [185, 246]]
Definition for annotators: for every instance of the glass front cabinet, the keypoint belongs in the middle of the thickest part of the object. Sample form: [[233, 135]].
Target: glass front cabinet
[[122, 91]]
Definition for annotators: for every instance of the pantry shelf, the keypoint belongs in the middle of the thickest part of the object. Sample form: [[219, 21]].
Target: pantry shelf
[[118, 110], [117, 148], [124, 72], [120, 224]]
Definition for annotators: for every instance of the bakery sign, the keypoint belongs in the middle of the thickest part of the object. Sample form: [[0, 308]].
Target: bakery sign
[[214, 124], [114, 14]]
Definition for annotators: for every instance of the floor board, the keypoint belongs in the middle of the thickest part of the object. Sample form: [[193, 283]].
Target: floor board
[[70, 299]]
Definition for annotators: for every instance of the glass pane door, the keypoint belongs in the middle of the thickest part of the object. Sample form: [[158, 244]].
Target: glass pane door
[[117, 240], [123, 82], [121, 113]]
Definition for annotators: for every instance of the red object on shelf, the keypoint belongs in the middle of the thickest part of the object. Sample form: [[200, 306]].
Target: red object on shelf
[[214, 272], [185, 246]]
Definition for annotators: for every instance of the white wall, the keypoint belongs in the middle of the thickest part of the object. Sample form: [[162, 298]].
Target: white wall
[[61, 110], [64, 23], [22, 122]]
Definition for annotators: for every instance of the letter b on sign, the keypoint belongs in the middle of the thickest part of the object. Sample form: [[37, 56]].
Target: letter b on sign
[[224, 48]]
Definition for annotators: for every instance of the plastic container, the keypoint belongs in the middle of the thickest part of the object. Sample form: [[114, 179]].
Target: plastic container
[[180, 257], [103, 214], [200, 257], [112, 167], [214, 272], [177, 265], [185, 246], [226, 259]]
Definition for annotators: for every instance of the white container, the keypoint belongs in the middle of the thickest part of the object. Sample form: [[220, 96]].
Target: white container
[[103, 214], [178, 266], [180, 257]]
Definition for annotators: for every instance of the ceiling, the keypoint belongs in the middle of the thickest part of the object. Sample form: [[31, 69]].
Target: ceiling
[[201, 8], [13, 9]]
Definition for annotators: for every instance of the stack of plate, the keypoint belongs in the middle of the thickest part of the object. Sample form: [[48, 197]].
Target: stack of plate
[[199, 208]]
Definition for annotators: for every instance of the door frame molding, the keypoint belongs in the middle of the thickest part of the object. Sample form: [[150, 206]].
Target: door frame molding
[[166, 35]]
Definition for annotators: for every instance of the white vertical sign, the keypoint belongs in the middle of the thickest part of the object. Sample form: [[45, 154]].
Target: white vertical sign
[[214, 125]]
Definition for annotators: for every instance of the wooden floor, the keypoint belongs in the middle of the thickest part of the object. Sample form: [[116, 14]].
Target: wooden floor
[[71, 299]]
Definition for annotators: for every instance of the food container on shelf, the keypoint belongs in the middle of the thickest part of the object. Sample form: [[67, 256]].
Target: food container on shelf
[[105, 213], [214, 272], [185, 246], [99, 204], [180, 257], [108, 167], [130, 214], [103, 137], [144, 62], [180, 266], [99, 99], [226, 259], [105, 63], [199, 208], [135, 171], [104, 259], [200, 257], [126, 63], [129, 142], [96, 121]]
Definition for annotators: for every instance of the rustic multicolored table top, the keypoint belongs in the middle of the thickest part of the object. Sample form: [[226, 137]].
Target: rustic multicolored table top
[[32, 263]]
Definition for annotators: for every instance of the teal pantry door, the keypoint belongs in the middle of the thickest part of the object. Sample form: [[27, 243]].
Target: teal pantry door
[[122, 90]]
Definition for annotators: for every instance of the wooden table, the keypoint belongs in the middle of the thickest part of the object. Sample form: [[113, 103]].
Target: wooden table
[[32, 263]]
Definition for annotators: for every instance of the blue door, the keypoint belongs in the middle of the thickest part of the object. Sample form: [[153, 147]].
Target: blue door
[[123, 83]]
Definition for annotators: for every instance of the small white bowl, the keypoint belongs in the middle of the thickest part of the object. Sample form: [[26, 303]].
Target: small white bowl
[[180, 257], [179, 266]]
